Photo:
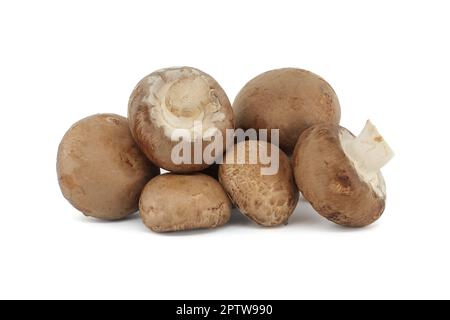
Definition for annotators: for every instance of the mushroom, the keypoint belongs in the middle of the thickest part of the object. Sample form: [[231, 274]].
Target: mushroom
[[174, 202], [101, 170], [290, 100], [339, 174], [267, 199], [176, 104]]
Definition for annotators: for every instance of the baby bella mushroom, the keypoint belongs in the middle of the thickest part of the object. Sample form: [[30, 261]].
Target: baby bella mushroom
[[179, 107], [267, 198], [101, 170], [288, 99], [339, 174], [174, 202]]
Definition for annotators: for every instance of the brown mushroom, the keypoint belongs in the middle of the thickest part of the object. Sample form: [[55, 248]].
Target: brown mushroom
[[176, 104], [101, 170], [267, 199], [173, 202], [290, 100], [339, 174]]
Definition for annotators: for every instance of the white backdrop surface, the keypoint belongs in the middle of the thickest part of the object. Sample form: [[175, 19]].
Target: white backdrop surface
[[63, 60]]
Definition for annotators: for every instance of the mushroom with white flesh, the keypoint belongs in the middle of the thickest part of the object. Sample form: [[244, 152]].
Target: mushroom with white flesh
[[176, 104], [339, 174]]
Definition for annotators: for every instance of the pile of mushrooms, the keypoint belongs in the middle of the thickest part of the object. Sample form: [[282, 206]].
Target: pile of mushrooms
[[109, 166]]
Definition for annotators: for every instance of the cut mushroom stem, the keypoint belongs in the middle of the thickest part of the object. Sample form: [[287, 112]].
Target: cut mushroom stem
[[368, 151]]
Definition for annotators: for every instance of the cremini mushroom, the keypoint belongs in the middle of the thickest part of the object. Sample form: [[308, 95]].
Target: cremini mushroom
[[179, 104], [290, 100], [101, 170], [267, 199], [339, 174], [175, 202]]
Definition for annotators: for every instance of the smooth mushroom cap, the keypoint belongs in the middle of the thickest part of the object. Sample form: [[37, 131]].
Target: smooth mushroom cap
[[101, 171], [268, 200], [178, 98], [173, 202], [287, 99], [329, 180]]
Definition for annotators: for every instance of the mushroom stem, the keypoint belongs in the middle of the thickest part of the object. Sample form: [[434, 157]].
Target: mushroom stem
[[369, 150]]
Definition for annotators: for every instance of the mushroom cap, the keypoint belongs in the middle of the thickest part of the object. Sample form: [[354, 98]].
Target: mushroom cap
[[174, 98], [329, 181], [101, 171], [174, 202], [268, 200], [287, 99]]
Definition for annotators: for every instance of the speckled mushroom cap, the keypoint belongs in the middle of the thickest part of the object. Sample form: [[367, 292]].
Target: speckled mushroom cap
[[178, 98], [268, 200], [101, 171], [288, 99], [174, 202], [329, 181]]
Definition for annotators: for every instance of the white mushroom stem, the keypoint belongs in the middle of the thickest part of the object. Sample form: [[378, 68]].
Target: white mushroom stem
[[369, 151], [184, 104]]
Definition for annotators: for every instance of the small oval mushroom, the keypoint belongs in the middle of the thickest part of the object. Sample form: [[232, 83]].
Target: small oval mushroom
[[173, 202], [179, 103], [339, 174], [267, 198], [101, 170], [288, 99]]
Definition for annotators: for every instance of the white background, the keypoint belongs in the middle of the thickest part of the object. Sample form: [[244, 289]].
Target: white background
[[61, 61]]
